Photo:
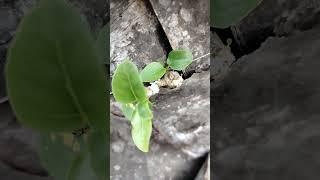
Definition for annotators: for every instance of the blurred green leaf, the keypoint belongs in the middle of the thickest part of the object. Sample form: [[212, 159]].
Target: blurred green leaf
[[152, 72], [127, 86], [52, 145], [99, 153], [224, 13], [54, 78], [75, 168], [103, 43], [179, 59]]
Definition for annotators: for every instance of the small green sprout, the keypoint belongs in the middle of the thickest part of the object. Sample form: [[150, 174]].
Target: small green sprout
[[129, 91]]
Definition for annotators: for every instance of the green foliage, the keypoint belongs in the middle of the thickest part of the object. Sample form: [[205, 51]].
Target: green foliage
[[54, 79], [224, 13], [127, 85], [152, 72], [98, 152], [128, 89], [80, 158], [127, 110], [56, 85], [179, 59], [141, 131], [103, 44]]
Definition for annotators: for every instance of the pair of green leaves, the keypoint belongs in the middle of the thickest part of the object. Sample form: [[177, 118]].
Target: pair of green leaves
[[56, 84], [177, 60], [224, 13]]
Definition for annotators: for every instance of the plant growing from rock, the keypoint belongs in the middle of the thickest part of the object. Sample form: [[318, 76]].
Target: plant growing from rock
[[56, 85], [128, 89]]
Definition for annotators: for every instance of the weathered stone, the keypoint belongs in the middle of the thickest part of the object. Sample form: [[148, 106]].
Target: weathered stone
[[186, 24], [204, 173], [276, 17], [182, 115], [162, 162], [266, 112], [134, 33], [221, 59]]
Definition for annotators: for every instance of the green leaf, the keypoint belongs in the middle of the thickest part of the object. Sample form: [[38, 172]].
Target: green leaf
[[99, 153], [152, 72], [141, 131], [74, 171], [49, 147], [127, 110], [179, 59], [103, 43], [127, 86], [144, 110], [224, 13], [54, 78]]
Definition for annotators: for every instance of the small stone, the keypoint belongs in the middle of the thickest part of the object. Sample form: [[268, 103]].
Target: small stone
[[116, 167]]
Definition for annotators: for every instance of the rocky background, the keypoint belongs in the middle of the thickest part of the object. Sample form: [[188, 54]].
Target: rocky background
[[266, 98]]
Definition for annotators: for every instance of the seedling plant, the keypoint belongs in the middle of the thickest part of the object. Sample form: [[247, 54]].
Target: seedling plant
[[128, 89]]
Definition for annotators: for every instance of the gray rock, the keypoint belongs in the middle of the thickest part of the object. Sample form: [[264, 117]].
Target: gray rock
[[186, 24], [274, 92], [162, 162], [134, 34], [221, 59], [276, 17], [204, 173], [182, 116]]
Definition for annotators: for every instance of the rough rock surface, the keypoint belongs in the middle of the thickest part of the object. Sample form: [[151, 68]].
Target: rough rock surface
[[221, 59], [186, 24], [134, 33], [266, 112], [276, 17], [204, 173], [162, 162], [182, 115]]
